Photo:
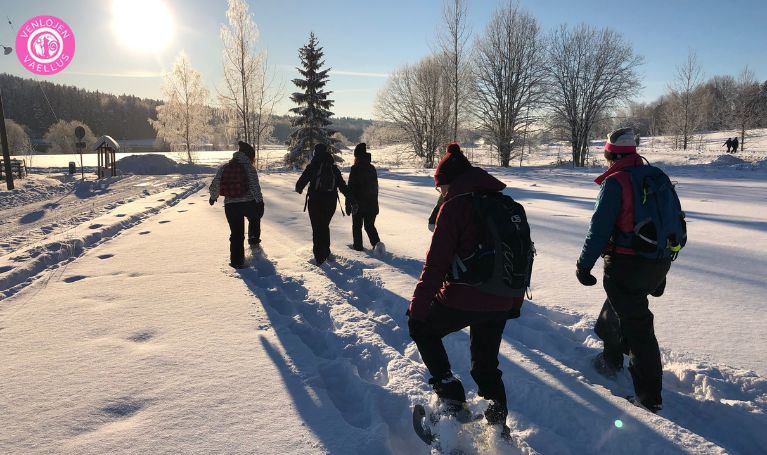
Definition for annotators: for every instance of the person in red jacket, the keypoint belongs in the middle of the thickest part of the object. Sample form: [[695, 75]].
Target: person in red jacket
[[441, 307]]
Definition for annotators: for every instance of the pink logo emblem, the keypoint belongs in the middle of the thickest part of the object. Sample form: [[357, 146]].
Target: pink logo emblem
[[45, 45]]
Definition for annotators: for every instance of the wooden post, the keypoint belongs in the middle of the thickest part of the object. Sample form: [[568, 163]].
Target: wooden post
[[6, 150]]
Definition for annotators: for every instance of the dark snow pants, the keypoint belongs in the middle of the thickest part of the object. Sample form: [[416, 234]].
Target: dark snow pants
[[321, 211], [625, 323], [485, 332], [369, 221], [236, 212]]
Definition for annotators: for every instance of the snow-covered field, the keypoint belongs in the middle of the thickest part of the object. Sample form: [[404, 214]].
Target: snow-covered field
[[122, 329]]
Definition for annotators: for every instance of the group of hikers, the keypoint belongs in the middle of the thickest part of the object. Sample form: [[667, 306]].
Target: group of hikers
[[237, 180], [460, 287], [732, 144]]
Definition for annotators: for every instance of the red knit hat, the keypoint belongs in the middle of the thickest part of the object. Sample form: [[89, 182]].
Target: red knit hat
[[622, 141], [453, 164]]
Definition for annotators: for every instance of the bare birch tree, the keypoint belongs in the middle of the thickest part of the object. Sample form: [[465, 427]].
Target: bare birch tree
[[416, 100], [509, 76], [242, 64], [590, 71], [746, 110], [684, 115], [267, 93], [184, 115], [452, 42]]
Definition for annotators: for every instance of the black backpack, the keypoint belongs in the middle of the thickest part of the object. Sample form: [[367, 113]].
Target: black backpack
[[325, 180], [502, 264]]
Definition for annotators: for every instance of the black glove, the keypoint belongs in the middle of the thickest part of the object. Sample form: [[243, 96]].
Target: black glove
[[585, 277], [212, 201], [659, 290]]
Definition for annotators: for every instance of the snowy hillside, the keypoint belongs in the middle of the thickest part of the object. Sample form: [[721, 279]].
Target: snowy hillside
[[123, 330]]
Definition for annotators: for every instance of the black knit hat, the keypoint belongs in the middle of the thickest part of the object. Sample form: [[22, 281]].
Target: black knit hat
[[360, 149], [453, 164], [247, 149], [320, 149]]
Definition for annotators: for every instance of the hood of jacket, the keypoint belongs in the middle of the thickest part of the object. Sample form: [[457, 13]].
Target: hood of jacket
[[322, 157], [473, 180], [241, 158]]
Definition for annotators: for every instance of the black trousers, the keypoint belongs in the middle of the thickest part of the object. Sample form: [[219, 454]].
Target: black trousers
[[236, 212], [369, 221], [625, 323], [321, 211], [485, 332]]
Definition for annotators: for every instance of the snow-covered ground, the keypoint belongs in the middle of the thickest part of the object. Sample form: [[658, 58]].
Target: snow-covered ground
[[122, 329]]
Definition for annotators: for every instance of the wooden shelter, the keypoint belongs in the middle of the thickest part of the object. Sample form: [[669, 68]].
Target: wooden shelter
[[106, 147]]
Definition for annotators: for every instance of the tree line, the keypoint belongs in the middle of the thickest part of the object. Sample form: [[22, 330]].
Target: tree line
[[513, 80]]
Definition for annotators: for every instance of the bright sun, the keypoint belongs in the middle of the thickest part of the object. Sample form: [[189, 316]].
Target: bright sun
[[144, 26]]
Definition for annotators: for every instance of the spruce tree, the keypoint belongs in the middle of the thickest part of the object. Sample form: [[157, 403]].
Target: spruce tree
[[312, 113]]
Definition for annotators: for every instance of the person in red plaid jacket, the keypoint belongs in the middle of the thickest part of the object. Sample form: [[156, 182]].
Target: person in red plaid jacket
[[249, 205]]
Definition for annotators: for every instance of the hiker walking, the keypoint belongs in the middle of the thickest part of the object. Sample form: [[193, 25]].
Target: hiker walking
[[633, 267], [441, 306], [237, 181], [363, 187], [735, 144], [324, 179], [728, 143]]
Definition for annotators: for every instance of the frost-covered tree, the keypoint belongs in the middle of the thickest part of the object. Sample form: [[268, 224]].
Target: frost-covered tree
[[591, 71], [509, 78], [747, 107], [62, 139], [312, 113], [18, 139], [416, 99], [452, 39], [684, 92], [184, 116]]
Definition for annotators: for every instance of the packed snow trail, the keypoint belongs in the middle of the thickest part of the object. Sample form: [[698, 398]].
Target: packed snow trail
[[150, 343]]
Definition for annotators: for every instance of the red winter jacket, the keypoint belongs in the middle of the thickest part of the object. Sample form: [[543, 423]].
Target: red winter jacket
[[456, 233]]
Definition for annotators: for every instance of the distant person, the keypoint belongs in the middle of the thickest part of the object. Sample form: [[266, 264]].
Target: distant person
[[728, 143], [363, 187], [237, 181], [735, 144], [324, 180], [441, 305], [634, 267]]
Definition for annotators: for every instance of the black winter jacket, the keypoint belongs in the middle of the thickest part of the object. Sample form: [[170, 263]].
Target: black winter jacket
[[310, 174], [363, 186]]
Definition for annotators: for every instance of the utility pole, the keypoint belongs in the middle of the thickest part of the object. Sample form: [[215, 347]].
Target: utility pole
[[6, 150]]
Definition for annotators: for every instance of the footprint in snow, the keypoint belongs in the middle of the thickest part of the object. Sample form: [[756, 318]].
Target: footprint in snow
[[72, 279], [120, 215], [105, 256], [190, 203], [5, 268], [161, 200], [95, 226], [164, 221], [182, 211], [142, 336], [122, 408], [144, 232]]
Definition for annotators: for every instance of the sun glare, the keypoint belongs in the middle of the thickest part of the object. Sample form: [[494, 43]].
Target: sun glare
[[143, 26]]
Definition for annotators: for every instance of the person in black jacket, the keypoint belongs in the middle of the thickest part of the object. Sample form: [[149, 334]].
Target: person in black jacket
[[363, 185], [735, 144], [324, 179]]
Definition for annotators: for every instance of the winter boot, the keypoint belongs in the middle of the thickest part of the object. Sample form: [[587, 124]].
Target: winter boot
[[496, 413], [452, 396], [652, 407], [603, 367], [379, 249]]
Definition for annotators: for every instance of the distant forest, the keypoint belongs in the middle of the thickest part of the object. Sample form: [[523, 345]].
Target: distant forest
[[122, 117]]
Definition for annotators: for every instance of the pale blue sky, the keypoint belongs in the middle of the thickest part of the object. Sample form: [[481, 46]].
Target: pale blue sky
[[364, 40]]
